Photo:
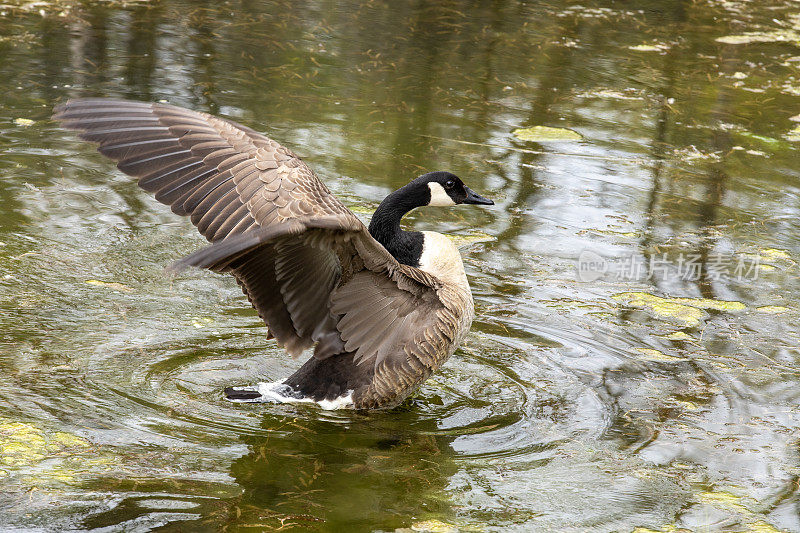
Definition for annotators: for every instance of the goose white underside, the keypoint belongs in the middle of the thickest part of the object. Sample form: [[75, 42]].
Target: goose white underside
[[279, 392], [441, 258]]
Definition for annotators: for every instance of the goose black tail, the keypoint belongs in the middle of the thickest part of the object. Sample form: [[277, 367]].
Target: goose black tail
[[241, 394]]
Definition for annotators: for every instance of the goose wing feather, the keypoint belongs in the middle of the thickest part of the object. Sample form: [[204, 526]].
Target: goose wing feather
[[305, 261], [223, 175]]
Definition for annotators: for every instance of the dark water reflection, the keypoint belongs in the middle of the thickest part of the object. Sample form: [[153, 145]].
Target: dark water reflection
[[608, 404]]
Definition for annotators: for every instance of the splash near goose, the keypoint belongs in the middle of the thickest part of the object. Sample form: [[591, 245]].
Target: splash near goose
[[383, 308]]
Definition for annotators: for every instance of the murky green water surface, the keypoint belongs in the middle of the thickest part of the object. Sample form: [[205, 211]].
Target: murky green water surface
[[655, 388]]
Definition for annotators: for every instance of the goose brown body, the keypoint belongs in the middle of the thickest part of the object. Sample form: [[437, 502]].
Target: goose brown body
[[307, 264]]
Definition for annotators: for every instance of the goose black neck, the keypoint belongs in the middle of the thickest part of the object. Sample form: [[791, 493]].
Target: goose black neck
[[405, 246]]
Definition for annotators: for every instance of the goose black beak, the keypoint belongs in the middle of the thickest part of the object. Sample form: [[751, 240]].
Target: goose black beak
[[475, 198]]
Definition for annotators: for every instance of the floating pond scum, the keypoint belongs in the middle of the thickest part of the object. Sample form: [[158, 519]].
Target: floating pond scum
[[546, 134], [685, 311]]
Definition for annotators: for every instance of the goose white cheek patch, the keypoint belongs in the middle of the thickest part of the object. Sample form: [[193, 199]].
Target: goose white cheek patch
[[439, 197]]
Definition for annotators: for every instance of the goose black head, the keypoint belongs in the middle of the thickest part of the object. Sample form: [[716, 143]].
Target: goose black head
[[434, 188], [446, 189]]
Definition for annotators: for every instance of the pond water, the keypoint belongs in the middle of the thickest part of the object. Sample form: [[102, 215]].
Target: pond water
[[634, 361]]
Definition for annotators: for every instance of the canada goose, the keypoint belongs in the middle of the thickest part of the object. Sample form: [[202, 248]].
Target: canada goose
[[383, 307]]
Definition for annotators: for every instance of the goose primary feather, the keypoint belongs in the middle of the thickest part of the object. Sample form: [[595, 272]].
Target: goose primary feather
[[383, 308]]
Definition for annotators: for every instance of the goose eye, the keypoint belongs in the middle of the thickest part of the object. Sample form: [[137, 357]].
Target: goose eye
[[449, 184]]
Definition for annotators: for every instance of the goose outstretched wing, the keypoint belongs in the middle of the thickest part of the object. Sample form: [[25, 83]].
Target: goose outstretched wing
[[306, 262], [223, 175]]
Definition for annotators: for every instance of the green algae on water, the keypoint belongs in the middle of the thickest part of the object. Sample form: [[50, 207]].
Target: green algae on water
[[663, 308], [772, 309], [438, 526], [470, 238], [772, 254], [546, 134], [23, 444], [740, 505], [113, 285], [687, 311], [651, 354], [360, 209], [67, 440], [677, 336], [724, 500], [434, 526], [763, 527], [717, 305], [200, 322]]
